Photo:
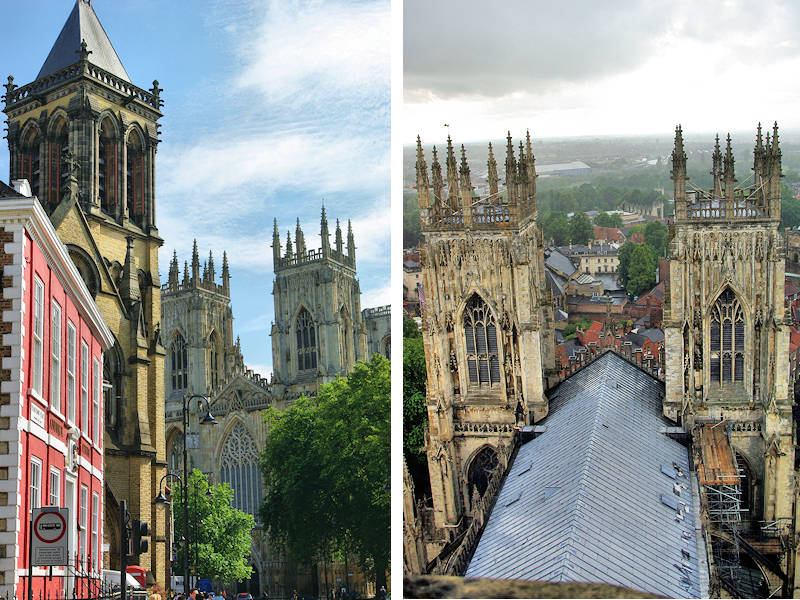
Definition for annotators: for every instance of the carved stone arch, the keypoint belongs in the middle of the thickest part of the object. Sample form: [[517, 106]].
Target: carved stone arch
[[740, 296], [114, 373], [86, 267], [135, 134], [29, 132], [107, 117], [58, 117], [386, 346], [479, 467], [174, 449]]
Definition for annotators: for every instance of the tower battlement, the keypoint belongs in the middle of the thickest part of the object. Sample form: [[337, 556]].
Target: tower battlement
[[297, 254], [454, 205], [756, 199], [193, 280]]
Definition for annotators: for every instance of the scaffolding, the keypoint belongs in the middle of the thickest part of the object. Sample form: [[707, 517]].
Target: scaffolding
[[720, 478]]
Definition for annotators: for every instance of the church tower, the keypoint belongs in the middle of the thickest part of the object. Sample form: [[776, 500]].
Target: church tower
[[85, 137], [197, 328], [487, 324], [726, 333], [318, 331]]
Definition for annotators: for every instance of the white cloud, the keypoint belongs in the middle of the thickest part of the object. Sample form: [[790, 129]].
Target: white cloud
[[377, 297]]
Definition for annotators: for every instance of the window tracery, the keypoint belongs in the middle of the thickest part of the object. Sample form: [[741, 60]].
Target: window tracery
[[727, 339], [306, 341], [483, 362], [239, 468], [179, 363]]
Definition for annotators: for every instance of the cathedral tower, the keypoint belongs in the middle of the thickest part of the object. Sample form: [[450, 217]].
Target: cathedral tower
[[318, 331], [85, 138], [487, 323], [726, 334]]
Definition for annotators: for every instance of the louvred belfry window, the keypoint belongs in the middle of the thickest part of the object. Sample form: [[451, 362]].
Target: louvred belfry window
[[179, 363], [727, 339], [306, 342], [108, 169], [135, 179], [29, 161], [483, 362], [56, 173]]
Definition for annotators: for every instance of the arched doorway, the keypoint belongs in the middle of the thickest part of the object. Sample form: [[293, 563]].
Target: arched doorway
[[480, 469]]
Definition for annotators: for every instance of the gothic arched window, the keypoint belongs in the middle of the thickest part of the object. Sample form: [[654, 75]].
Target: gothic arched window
[[483, 362], [306, 341], [175, 457], [344, 346], [108, 170], [481, 469], [56, 175], [238, 462], [29, 160], [134, 193], [179, 363], [727, 339], [214, 376]]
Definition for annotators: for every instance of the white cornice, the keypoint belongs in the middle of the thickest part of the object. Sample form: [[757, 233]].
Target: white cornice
[[30, 214]]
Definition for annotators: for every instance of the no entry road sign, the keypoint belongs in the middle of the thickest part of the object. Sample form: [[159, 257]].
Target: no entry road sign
[[50, 541]]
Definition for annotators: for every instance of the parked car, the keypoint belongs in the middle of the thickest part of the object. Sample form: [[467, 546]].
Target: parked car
[[243, 596]]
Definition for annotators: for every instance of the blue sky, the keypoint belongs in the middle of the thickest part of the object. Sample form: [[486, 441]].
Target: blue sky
[[271, 108]]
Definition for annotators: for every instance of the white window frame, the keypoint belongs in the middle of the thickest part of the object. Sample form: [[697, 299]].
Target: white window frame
[[84, 388], [71, 359], [38, 335], [96, 383], [95, 528], [35, 483], [55, 487], [84, 522], [55, 358]]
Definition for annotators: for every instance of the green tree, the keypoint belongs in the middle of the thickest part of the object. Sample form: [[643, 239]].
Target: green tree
[[326, 470], [790, 208], [555, 226], [624, 256], [655, 235], [580, 228], [415, 412], [223, 533], [641, 270], [604, 219]]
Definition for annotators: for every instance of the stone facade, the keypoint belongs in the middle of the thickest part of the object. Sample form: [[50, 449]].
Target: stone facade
[[487, 324], [86, 140], [203, 358], [725, 324]]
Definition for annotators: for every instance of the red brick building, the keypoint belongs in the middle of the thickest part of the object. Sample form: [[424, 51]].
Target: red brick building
[[51, 419]]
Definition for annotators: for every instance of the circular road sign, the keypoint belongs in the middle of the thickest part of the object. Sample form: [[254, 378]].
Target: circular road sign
[[49, 527]]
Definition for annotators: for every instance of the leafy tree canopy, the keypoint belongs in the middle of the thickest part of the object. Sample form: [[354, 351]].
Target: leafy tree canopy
[[580, 228], [655, 235], [641, 270], [555, 226], [624, 257], [604, 219], [326, 470], [222, 532], [415, 412]]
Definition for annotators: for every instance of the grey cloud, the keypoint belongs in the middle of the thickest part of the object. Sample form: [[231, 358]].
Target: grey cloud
[[476, 48], [480, 49]]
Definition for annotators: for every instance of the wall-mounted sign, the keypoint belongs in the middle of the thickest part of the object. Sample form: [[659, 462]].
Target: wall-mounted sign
[[50, 536]]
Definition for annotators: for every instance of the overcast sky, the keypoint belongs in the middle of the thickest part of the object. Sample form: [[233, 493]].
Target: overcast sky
[[271, 107], [584, 67]]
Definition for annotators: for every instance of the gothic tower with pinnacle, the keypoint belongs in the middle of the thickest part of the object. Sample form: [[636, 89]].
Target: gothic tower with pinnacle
[[487, 322], [319, 331], [85, 137], [726, 333]]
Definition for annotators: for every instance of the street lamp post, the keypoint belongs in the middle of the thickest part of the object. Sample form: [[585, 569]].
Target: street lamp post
[[208, 419]]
